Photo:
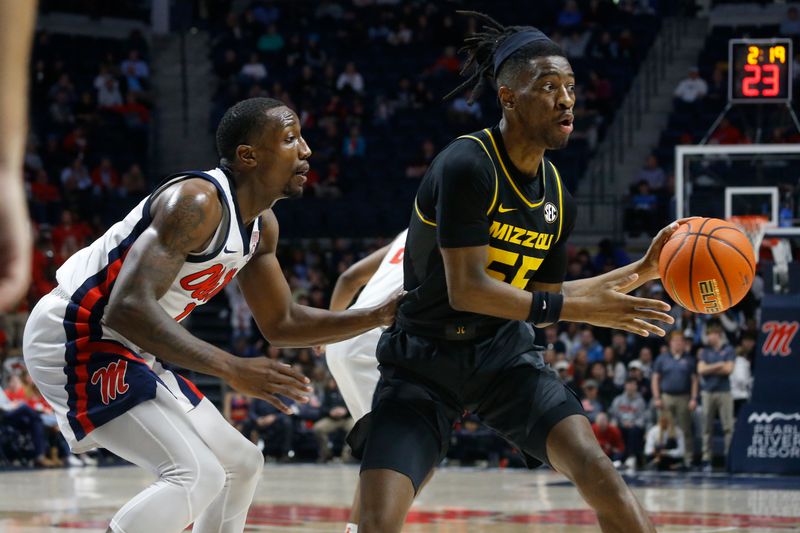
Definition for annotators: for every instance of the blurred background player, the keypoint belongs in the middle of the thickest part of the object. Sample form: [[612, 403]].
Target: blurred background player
[[353, 363], [16, 27], [95, 344]]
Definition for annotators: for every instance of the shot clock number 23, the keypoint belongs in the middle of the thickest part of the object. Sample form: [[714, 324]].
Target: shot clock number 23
[[760, 70]]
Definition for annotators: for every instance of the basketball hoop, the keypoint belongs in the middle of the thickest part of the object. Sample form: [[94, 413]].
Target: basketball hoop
[[754, 226]]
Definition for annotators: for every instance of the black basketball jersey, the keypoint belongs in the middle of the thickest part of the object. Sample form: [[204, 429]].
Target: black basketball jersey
[[472, 195]]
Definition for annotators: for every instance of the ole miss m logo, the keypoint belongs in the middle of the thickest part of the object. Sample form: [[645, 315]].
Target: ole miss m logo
[[779, 337], [112, 380]]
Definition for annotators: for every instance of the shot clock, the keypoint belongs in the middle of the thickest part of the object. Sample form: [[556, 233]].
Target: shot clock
[[760, 71]]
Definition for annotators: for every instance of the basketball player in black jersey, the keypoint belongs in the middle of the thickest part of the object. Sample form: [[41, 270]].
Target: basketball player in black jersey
[[486, 256]]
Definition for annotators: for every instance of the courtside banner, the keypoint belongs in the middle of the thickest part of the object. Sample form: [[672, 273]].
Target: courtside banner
[[767, 434], [776, 370]]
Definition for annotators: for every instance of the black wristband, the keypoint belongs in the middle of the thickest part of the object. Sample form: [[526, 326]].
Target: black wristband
[[545, 307]]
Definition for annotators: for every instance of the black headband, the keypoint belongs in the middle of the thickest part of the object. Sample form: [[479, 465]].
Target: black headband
[[515, 42]]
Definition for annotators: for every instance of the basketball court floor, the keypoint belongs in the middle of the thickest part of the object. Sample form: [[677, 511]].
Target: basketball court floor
[[310, 498]]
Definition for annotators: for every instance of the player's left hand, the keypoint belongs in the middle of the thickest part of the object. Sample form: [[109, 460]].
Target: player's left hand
[[692, 405], [649, 263], [387, 310]]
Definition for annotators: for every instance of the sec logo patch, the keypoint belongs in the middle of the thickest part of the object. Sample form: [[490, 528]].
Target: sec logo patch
[[550, 212]]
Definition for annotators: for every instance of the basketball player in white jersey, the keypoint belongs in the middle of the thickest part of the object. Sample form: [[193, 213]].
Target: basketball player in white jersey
[[94, 344], [352, 362]]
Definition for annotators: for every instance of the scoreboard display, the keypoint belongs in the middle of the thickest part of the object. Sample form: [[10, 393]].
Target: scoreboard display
[[759, 70]]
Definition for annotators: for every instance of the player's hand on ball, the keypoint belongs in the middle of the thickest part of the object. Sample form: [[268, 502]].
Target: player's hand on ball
[[606, 306], [267, 379], [649, 268]]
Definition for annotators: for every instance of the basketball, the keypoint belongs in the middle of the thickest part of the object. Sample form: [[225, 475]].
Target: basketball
[[707, 265]]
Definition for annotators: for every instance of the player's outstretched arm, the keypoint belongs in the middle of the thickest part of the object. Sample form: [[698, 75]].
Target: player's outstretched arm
[[629, 277], [16, 27], [471, 289], [285, 323], [354, 278], [185, 217]]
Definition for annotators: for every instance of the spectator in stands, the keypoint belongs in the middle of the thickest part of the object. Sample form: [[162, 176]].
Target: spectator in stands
[[447, 63], [135, 72], [108, 93], [419, 165], [675, 387], [790, 26], [236, 409], [271, 41], [463, 113], [562, 367], [133, 183], [105, 176], [691, 89], [350, 79], [552, 342], [606, 390], [23, 418], [642, 215], [402, 35], [600, 93], [75, 179], [665, 445], [71, 232], [474, 443], [715, 365], [60, 109], [591, 403], [642, 383], [728, 133], [229, 66], [587, 341], [335, 417], [619, 343], [610, 255], [570, 16], [610, 438], [742, 378], [354, 145], [645, 359], [604, 48], [615, 369], [272, 426], [254, 70], [45, 199], [315, 56], [63, 86], [652, 173], [629, 412], [575, 43]]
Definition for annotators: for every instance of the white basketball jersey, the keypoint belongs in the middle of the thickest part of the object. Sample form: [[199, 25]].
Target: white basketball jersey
[[388, 279], [88, 276]]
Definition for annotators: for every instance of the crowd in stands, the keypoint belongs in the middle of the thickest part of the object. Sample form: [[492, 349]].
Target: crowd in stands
[[368, 77]]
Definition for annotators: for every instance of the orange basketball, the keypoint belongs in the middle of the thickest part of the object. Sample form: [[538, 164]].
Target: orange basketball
[[707, 265]]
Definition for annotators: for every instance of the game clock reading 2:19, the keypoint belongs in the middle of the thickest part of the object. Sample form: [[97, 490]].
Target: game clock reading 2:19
[[760, 70]]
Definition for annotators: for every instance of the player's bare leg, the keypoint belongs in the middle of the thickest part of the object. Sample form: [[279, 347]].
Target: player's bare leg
[[572, 449], [355, 510], [386, 497]]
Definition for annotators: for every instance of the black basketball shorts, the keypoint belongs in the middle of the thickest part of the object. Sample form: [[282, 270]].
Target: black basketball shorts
[[428, 384]]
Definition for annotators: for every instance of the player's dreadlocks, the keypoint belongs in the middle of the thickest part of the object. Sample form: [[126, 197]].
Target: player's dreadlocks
[[498, 53]]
